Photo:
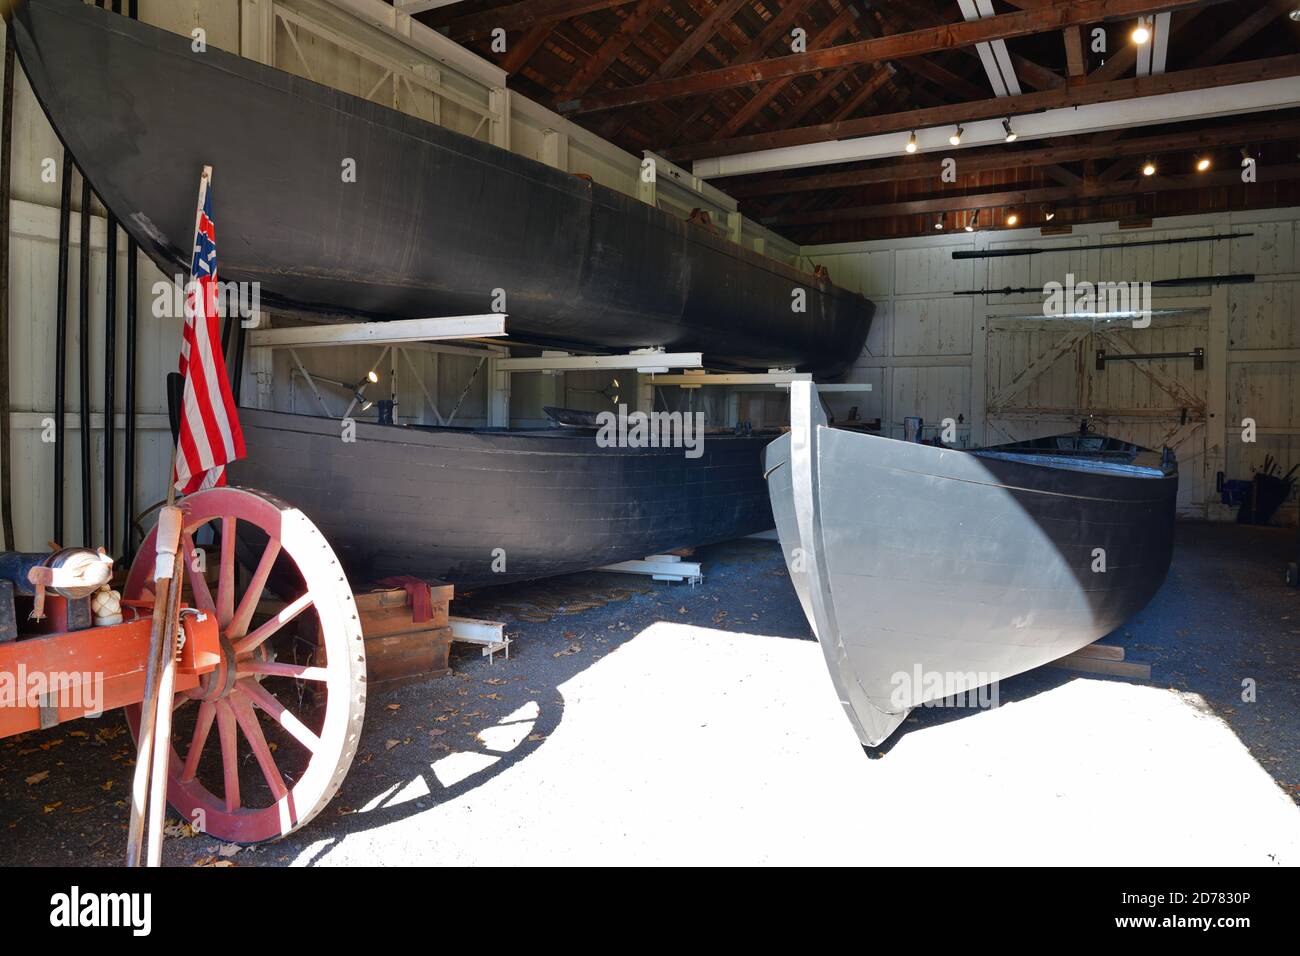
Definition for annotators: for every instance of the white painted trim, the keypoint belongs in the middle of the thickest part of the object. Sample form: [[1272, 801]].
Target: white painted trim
[[633, 362], [1232, 100], [380, 333]]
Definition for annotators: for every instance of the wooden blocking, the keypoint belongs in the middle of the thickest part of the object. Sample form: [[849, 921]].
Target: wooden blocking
[[1105, 659], [397, 648]]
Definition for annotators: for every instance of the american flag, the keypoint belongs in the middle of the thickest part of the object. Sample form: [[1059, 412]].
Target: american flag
[[210, 435]]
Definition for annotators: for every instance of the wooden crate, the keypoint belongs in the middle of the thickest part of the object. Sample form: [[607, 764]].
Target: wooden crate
[[397, 648]]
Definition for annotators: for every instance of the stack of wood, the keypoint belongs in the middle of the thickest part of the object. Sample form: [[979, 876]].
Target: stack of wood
[[398, 648]]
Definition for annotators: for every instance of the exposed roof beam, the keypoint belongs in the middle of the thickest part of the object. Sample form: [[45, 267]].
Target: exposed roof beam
[[524, 47], [1025, 197], [998, 157], [994, 56], [1076, 62], [1073, 109], [412, 7], [526, 13], [1152, 54], [1268, 11], [915, 43], [775, 28], [609, 51]]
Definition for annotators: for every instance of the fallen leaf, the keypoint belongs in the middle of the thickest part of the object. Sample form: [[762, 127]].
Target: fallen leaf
[[390, 744], [229, 849], [37, 778], [51, 807], [394, 706]]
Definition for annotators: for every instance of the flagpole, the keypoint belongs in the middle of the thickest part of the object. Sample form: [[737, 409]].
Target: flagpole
[[149, 784]]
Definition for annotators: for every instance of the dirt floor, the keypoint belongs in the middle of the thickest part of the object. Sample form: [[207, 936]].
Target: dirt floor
[[641, 722]]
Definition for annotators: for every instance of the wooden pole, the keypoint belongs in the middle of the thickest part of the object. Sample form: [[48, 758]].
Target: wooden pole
[[149, 785]]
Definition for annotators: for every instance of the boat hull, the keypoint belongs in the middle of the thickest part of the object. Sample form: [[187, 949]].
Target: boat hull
[[927, 572], [485, 507], [434, 223]]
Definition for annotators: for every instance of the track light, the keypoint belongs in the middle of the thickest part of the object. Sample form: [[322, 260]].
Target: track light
[[1049, 213], [1011, 134], [955, 138], [970, 226], [911, 143], [1149, 169], [1295, 14], [1203, 164], [938, 223], [1012, 219], [372, 377], [1142, 33]]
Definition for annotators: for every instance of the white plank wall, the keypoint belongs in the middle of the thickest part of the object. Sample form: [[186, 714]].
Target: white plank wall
[[1004, 371]]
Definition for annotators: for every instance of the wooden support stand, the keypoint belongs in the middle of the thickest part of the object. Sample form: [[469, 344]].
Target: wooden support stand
[[1105, 659], [398, 650]]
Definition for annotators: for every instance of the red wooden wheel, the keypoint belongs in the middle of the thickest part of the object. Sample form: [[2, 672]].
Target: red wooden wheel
[[289, 698]]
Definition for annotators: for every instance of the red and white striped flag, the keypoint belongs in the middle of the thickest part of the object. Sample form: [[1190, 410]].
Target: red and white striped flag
[[210, 435]]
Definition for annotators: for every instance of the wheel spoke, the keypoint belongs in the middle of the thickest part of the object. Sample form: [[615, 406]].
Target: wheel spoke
[[198, 584], [229, 754], [254, 640], [248, 604], [264, 699], [226, 574], [253, 734], [277, 669], [207, 711]]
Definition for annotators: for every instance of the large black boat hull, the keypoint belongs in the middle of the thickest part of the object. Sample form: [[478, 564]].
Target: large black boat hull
[[433, 224], [485, 507], [927, 572]]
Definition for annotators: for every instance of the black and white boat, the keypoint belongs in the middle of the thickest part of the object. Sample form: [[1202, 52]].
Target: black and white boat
[[481, 507], [927, 572], [434, 223]]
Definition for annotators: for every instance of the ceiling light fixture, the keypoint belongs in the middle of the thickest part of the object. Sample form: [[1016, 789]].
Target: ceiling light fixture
[[1012, 219], [1149, 169], [955, 138], [1295, 14], [1203, 164], [911, 143], [1141, 33], [970, 226], [1049, 213], [938, 223], [1011, 134]]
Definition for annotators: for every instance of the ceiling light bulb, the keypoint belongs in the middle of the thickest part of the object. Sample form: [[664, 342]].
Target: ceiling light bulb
[[1149, 169], [1142, 34], [911, 143], [938, 224], [955, 138], [969, 227], [1011, 134], [372, 377], [1012, 219], [1295, 14], [1049, 213], [1203, 164]]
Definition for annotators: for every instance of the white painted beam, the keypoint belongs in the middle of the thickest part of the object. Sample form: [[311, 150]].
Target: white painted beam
[[1152, 55], [695, 380], [572, 363], [381, 333], [994, 55], [1238, 99]]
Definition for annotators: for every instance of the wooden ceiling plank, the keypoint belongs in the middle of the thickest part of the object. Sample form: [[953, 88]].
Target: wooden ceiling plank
[[992, 108], [524, 47], [991, 158], [914, 43], [609, 51], [1024, 197], [525, 13]]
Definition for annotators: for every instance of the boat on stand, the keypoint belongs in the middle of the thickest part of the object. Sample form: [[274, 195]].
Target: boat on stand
[[927, 572], [434, 222], [485, 506]]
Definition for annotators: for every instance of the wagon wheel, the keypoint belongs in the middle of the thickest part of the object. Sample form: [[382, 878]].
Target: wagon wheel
[[306, 676]]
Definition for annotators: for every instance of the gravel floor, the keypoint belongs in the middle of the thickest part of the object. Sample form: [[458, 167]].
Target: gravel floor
[[646, 722]]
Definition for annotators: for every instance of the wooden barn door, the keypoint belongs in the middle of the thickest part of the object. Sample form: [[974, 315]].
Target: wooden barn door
[[1042, 378]]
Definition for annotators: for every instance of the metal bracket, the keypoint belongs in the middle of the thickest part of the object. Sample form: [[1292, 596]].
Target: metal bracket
[[1197, 355]]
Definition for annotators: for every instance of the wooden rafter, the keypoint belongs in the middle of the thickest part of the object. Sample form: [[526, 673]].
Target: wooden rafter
[[1084, 94], [518, 16], [991, 158], [613, 47], [914, 43], [1030, 197]]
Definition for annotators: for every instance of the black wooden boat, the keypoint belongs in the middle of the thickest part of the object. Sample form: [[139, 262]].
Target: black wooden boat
[[927, 572], [434, 223], [491, 506]]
